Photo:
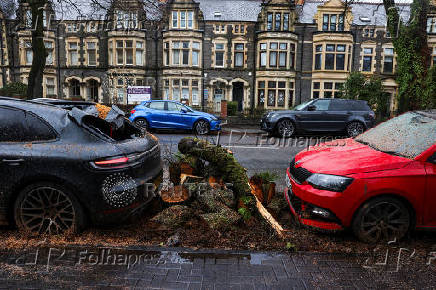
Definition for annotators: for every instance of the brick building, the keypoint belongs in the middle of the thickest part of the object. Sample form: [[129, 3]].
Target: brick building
[[262, 54]]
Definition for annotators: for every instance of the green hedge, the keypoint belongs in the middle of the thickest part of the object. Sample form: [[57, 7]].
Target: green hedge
[[14, 90], [232, 108]]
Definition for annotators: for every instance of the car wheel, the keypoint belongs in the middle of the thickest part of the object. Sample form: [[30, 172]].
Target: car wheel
[[285, 128], [141, 123], [382, 219], [46, 208], [354, 129], [201, 127]]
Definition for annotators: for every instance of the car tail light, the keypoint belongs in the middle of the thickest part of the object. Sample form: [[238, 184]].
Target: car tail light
[[132, 111], [119, 162]]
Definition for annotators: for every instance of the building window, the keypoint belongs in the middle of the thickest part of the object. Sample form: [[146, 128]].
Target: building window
[[286, 21], [334, 57], [219, 28], [49, 50], [139, 57], [388, 60], [367, 59], [263, 54], [92, 53], [28, 52], [431, 25], [291, 94], [239, 54], [185, 91], [333, 22], [272, 88], [28, 18], [181, 53], [369, 32], [74, 88], [129, 52], [316, 90], [182, 19], [120, 52], [239, 29], [50, 86], [276, 54], [167, 53], [126, 19], [318, 57], [269, 21], [276, 94], [261, 94], [278, 20], [219, 54], [73, 53]]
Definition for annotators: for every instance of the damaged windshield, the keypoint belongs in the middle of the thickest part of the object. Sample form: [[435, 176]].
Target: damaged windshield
[[408, 135]]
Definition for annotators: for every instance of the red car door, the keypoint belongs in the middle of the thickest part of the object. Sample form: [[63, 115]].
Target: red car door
[[430, 197]]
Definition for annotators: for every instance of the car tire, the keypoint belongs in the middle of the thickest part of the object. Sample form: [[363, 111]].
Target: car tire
[[47, 208], [202, 127], [142, 123], [285, 128], [354, 129], [384, 218]]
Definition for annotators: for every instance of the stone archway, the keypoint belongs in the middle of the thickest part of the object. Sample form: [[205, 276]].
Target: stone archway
[[240, 92]]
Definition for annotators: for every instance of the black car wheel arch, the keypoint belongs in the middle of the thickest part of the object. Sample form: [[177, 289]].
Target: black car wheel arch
[[48, 208]]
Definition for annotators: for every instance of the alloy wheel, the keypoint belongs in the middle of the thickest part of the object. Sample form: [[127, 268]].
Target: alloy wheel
[[384, 221], [354, 129], [46, 210], [285, 128], [202, 128], [142, 123]]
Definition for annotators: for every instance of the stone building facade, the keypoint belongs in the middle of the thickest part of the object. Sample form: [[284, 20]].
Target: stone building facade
[[261, 54]]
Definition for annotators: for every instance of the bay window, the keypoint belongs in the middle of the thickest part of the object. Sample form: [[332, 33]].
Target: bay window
[[318, 57], [139, 57], [185, 91], [276, 55], [129, 52], [334, 57], [261, 94], [263, 52], [183, 51]]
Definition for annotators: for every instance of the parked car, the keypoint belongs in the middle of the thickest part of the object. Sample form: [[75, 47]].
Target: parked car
[[60, 169], [321, 115], [173, 115], [380, 184], [65, 104]]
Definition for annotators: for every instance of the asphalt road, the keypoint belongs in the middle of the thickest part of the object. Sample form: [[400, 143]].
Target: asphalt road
[[255, 152]]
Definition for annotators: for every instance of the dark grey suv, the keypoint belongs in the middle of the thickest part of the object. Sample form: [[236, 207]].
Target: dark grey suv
[[321, 115]]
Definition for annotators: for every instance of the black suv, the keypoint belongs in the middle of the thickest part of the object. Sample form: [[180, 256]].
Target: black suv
[[60, 169], [321, 115]]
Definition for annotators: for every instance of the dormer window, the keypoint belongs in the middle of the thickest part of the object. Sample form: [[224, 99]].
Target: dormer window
[[277, 21], [333, 22], [182, 19], [364, 19]]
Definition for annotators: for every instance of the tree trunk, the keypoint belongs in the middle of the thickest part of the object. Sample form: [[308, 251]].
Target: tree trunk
[[35, 89]]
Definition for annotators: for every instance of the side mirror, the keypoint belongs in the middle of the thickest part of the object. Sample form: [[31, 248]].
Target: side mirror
[[311, 108], [184, 111]]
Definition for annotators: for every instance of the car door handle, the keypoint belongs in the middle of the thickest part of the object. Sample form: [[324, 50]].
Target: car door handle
[[13, 162]]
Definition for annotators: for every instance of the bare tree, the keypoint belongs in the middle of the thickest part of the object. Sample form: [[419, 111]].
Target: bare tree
[[8, 7]]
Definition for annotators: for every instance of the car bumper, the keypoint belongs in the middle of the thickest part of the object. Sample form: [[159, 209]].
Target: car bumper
[[215, 125], [267, 125], [307, 209]]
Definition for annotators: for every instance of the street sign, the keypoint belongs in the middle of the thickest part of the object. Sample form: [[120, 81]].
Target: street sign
[[138, 94]]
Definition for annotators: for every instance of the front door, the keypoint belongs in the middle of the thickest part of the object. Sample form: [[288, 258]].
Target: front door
[[314, 121], [217, 97], [238, 94]]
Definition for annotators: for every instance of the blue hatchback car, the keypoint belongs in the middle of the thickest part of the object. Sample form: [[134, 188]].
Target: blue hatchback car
[[173, 115]]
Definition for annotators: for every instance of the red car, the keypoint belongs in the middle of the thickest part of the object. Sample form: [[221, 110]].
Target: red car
[[380, 184]]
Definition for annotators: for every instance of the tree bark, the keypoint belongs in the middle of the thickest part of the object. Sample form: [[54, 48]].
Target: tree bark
[[35, 89]]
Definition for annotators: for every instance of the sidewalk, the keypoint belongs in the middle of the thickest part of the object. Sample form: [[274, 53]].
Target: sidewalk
[[164, 268]]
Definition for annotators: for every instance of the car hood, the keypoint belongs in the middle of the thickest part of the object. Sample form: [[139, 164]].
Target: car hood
[[345, 157], [203, 114]]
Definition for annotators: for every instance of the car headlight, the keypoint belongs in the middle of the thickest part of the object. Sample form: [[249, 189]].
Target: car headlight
[[329, 182]]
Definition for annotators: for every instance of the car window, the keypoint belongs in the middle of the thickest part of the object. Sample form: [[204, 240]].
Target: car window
[[20, 126], [432, 159], [341, 105], [322, 105], [174, 107], [157, 105]]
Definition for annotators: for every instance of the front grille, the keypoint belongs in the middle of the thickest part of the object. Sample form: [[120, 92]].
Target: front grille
[[299, 174], [296, 204]]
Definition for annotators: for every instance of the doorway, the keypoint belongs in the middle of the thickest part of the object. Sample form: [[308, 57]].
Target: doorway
[[238, 94]]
